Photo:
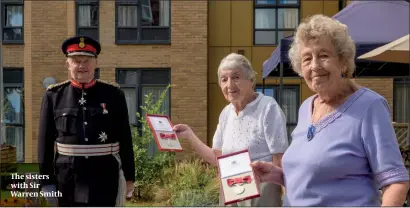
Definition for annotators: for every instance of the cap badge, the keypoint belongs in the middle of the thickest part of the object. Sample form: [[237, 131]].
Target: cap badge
[[81, 44]]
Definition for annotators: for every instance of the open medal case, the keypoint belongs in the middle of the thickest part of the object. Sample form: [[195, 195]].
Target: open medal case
[[237, 177], [165, 137]]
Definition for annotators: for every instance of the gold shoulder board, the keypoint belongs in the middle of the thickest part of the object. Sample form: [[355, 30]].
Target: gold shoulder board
[[57, 84], [109, 83]]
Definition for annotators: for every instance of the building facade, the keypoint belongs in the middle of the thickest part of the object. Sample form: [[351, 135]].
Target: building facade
[[140, 50], [148, 44], [253, 28]]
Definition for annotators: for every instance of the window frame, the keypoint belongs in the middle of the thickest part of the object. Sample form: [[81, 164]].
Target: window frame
[[276, 89], [275, 6], [402, 82], [17, 85], [139, 28], [5, 3], [138, 88], [79, 3]]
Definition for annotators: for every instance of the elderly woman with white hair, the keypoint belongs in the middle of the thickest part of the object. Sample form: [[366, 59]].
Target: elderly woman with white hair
[[251, 121], [344, 148]]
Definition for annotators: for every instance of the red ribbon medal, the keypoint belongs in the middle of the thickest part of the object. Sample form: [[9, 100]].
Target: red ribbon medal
[[105, 111], [240, 180]]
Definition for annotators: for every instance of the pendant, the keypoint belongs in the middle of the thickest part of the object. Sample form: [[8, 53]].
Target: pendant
[[239, 190], [311, 132]]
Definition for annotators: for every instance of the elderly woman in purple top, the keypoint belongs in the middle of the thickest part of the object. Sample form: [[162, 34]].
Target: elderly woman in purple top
[[344, 148]]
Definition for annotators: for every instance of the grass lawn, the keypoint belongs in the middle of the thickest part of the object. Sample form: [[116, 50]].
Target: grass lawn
[[144, 204], [5, 194], [27, 167], [23, 168]]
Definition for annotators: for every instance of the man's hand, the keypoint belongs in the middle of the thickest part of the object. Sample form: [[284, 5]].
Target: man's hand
[[130, 189], [268, 172], [51, 201]]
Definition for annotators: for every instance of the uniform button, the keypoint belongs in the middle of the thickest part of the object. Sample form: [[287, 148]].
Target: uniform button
[[64, 114], [85, 123], [86, 139], [84, 108], [86, 157]]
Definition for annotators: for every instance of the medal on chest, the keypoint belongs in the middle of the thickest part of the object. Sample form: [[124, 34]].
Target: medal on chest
[[104, 107], [103, 137]]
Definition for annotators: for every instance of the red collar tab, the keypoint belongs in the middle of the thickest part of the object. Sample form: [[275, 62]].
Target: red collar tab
[[80, 86]]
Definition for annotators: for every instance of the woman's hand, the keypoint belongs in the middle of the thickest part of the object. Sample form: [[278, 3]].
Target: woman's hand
[[183, 131], [268, 172]]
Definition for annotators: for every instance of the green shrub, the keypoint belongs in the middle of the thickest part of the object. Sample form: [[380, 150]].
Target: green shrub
[[161, 178], [405, 153], [194, 197], [192, 183], [148, 167]]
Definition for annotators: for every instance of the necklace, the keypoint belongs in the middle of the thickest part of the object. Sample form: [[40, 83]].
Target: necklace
[[312, 128], [351, 88]]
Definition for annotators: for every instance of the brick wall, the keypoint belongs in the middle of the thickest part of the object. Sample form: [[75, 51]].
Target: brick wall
[[48, 23], [13, 55], [383, 86], [8, 157], [45, 29]]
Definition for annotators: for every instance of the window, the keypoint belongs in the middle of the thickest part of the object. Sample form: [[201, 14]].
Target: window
[[274, 20], [143, 21], [12, 21], [401, 99], [290, 103], [87, 18], [97, 73], [13, 110], [341, 4], [136, 83]]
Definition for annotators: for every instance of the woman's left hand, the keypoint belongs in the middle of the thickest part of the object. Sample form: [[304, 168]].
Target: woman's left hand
[[268, 172]]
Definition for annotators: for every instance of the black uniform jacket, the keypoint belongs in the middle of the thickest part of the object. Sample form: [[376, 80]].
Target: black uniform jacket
[[94, 113]]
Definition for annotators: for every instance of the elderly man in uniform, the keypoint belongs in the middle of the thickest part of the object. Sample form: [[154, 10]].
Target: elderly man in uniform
[[87, 119]]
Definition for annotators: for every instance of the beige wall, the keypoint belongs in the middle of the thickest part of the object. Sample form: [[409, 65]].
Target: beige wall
[[382, 86]]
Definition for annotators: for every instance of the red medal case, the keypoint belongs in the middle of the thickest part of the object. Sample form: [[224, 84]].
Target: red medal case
[[165, 137], [237, 177]]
